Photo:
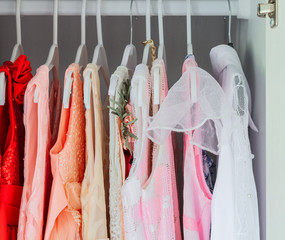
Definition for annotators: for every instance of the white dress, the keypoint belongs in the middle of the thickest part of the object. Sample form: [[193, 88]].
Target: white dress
[[131, 189], [117, 159], [234, 203]]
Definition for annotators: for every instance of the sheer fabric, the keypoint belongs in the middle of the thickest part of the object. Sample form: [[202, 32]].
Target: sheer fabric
[[234, 206], [183, 99], [117, 161], [68, 165], [194, 105], [95, 185], [17, 74]]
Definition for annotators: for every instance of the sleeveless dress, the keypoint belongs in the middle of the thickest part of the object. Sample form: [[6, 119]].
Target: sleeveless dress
[[37, 146], [150, 193], [12, 145], [117, 160], [131, 189], [68, 165], [158, 150], [235, 205], [95, 185], [194, 106], [197, 215]]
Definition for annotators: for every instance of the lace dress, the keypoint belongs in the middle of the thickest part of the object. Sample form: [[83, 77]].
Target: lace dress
[[131, 190], [95, 185], [234, 206], [68, 165], [12, 145], [117, 161], [149, 194], [37, 146]]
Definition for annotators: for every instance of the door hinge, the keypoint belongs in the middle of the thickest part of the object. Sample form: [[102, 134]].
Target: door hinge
[[270, 8]]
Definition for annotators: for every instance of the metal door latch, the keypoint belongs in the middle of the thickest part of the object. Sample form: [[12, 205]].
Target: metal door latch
[[270, 8]]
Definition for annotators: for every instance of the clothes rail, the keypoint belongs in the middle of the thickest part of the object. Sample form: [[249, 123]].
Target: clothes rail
[[240, 8]]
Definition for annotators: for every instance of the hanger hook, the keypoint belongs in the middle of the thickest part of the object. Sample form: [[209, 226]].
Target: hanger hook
[[55, 21], [83, 22], [18, 22], [99, 24], [188, 25], [148, 20], [230, 24], [131, 22], [160, 22]]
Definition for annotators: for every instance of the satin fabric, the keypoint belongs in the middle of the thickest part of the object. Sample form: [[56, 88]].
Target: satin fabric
[[12, 134], [95, 185], [37, 173]]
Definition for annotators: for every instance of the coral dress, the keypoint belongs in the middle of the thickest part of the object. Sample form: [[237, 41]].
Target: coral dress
[[12, 145], [95, 185], [37, 160], [68, 165]]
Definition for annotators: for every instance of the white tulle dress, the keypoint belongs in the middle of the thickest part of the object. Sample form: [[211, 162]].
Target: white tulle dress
[[234, 204]]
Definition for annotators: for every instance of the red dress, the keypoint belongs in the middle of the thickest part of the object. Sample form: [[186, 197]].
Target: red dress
[[12, 145]]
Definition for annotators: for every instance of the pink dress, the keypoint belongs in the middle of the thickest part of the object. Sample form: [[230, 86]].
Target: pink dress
[[68, 164], [36, 164], [193, 106], [149, 194], [196, 194]]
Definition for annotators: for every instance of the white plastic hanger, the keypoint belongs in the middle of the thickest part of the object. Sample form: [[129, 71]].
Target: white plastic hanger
[[53, 57], [190, 52], [161, 54], [129, 59], [100, 57], [147, 49], [17, 51], [81, 56], [18, 48], [130, 54]]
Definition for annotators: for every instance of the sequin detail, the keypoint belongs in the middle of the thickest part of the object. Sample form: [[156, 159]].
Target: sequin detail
[[68, 165]]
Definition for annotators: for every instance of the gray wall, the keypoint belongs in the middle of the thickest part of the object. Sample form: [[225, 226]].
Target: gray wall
[[37, 39]]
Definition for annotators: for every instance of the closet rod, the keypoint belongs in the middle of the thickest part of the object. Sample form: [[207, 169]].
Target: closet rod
[[121, 7]]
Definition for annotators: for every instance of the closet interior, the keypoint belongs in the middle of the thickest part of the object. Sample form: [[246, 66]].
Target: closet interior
[[210, 27]]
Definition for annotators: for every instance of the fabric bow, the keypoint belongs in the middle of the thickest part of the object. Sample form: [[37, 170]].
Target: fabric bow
[[21, 75]]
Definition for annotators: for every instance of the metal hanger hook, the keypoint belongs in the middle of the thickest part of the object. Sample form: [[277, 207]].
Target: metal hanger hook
[[230, 23]]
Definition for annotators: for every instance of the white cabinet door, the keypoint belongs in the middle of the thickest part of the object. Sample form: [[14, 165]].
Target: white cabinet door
[[275, 127], [261, 50]]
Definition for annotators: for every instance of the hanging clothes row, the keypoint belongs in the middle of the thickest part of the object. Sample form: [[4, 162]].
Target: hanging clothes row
[[76, 167]]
